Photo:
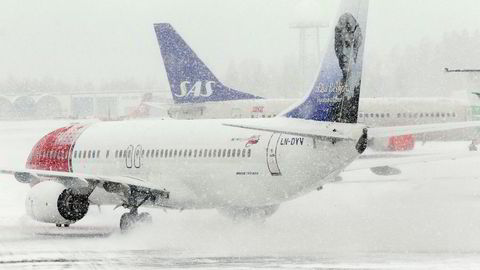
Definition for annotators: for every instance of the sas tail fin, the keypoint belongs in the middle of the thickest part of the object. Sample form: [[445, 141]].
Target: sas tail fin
[[335, 94], [191, 81]]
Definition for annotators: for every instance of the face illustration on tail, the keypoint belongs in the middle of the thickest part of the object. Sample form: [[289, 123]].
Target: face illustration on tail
[[335, 94], [348, 40]]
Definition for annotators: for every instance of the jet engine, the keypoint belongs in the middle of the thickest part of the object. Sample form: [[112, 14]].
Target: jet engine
[[52, 202]]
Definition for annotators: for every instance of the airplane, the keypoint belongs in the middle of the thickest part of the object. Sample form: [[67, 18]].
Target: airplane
[[242, 167], [198, 94]]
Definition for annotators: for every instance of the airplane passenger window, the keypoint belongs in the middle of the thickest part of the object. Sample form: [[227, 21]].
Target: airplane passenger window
[[438, 114], [210, 153], [219, 152], [185, 153], [74, 154], [360, 115], [454, 115], [161, 153], [195, 153], [175, 153], [189, 152], [376, 115], [238, 152], [399, 115], [98, 153], [170, 153], [180, 153], [233, 152], [243, 152], [421, 115], [224, 152], [143, 152], [84, 153], [129, 155], [200, 153], [448, 114], [89, 153], [443, 114], [107, 154], [388, 115], [93, 154], [228, 153], [156, 153], [148, 153], [382, 115], [120, 154], [215, 153], [116, 153], [249, 153]]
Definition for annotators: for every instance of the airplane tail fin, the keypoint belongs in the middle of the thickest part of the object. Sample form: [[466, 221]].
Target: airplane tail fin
[[191, 81], [335, 94]]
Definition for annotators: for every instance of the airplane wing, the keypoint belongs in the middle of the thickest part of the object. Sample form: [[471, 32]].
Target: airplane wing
[[78, 179]]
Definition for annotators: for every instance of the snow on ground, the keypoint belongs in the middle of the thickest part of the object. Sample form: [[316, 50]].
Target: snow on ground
[[426, 218]]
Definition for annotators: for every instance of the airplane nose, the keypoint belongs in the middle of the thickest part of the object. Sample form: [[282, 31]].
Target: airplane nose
[[53, 151]]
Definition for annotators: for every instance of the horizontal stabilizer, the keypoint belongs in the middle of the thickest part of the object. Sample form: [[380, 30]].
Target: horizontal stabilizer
[[377, 132], [300, 127], [369, 163]]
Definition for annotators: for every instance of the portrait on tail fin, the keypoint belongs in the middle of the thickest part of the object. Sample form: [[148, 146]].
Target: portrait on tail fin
[[348, 40], [335, 93]]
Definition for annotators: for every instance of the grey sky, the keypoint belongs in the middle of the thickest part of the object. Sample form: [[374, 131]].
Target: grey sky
[[113, 39]]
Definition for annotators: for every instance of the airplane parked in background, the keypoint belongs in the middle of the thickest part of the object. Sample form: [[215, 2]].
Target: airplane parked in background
[[243, 167]]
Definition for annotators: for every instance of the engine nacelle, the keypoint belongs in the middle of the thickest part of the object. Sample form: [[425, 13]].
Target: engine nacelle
[[52, 202]]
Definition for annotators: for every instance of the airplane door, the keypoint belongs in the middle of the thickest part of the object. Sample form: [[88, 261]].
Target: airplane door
[[129, 157], [272, 154], [137, 156]]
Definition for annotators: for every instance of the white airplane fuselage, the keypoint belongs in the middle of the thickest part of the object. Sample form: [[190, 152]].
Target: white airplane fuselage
[[254, 168]]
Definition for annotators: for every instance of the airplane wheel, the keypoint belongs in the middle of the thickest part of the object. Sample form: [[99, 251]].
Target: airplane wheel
[[127, 221], [145, 218]]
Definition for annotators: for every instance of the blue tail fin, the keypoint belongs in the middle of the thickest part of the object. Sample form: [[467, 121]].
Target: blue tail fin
[[336, 91], [191, 81]]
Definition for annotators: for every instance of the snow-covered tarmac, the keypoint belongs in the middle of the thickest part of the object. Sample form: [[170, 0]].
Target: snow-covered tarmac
[[426, 218]]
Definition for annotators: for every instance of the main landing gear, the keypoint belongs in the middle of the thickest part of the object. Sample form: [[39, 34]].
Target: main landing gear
[[132, 218]]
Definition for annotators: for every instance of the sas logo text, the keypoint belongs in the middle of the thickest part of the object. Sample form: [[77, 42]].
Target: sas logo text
[[292, 141], [198, 89]]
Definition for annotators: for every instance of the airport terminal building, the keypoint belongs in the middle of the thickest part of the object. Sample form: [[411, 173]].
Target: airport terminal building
[[101, 105]]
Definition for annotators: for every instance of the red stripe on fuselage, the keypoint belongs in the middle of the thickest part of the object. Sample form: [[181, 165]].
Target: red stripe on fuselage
[[54, 151]]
